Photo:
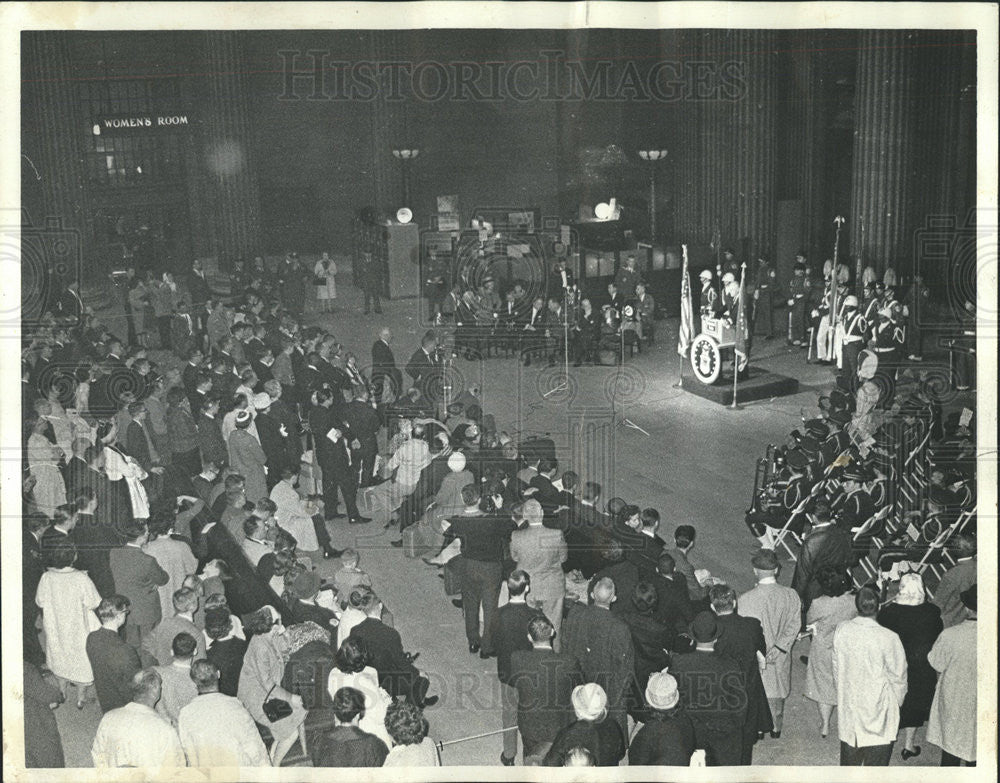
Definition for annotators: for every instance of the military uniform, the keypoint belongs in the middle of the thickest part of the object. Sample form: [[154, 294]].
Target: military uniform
[[711, 307], [764, 294], [854, 327], [799, 288], [887, 343]]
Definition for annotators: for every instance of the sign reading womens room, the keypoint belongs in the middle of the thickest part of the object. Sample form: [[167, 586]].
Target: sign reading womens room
[[141, 123]]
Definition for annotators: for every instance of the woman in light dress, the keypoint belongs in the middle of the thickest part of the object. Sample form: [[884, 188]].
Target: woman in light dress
[[43, 462], [826, 612], [326, 292], [120, 467], [410, 457], [68, 598]]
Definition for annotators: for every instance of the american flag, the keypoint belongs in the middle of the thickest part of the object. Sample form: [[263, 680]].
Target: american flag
[[686, 331], [742, 332]]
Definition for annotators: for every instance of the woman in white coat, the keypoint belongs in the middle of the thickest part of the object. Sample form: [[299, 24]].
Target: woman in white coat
[[43, 462], [324, 276], [68, 598]]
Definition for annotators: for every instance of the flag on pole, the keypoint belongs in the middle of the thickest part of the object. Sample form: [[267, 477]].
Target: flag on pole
[[742, 332], [686, 332]]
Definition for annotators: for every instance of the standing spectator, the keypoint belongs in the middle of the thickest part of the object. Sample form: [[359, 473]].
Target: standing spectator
[[545, 681], [713, 692], [827, 544], [483, 537], [135, 735], [384, 370], [159, 643], [68, 599], [260, 680], [742, 640], [216, 730], [325, 282], [651, 638], [370, 278], [138, 578], [178, 688], [957, 579], [32, 568], [918, 625], [592, 730], [673, 602], [602, 643], [667, 736], [510, 633], [833, 607], [411, 747], [94, 538], [211, 445], [112, 661], [172, 555], [43, 459], [164, 296], [346, 745], [184, 441], [42, 743], [869, 667], [247, 457], [952, 724], [540, 552], [779, 611]]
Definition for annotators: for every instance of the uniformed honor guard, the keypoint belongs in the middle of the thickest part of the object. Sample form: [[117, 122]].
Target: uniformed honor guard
[[798, 291], [887, 343], [853, 339], [710, 304], [855, 505], [763, 296]]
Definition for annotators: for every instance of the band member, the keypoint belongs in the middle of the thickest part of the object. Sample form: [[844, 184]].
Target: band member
[[916, 301], [763, 296], [874, 291], [710, 304], [853, 338], [887, 343], [798, 291], [586, 331], [855, 506]]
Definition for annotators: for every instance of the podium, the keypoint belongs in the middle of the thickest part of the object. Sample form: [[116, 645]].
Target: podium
[[403, 260]]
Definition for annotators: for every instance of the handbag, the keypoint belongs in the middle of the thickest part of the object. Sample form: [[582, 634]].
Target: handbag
[[319, 281], [276, 709]]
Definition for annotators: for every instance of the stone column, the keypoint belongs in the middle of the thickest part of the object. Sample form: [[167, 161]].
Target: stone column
[[883, 149], [228, 151]]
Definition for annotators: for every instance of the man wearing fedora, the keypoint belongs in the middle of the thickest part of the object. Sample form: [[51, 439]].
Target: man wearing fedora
[[713, 692], [667, 736], [593, 729], [779, 610]]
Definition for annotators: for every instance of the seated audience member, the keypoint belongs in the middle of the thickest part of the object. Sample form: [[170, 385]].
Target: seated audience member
[[135, 735], [684, 537], [215, 729], [349, 576], [113, 662], [300, 597], [346, 745], [411, 747], [226, 649], [177, 687], [353, 669]]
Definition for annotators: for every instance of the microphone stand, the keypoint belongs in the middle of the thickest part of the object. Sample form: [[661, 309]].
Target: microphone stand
[[622, 421], [564, 384]]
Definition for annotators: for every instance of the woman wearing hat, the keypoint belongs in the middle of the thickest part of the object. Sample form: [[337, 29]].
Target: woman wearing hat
[[592, 729], [324, 280], [667, 736], [918, 625], [247, 457]]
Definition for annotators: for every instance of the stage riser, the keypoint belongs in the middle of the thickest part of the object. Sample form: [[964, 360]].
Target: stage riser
[[760, 385]]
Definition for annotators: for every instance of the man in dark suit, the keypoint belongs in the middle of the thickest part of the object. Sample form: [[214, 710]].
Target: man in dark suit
[[543, 490], [544, 680], [602, 643], [138, 443], [32, 568], [112, 660], [285, 414], [713, 692], [273, 440], [588, 532], [424, 367], [211, 444], [673, 606], [76, 472], [742, 639], [396, 672], [826, 544], [510, 633], [94, 538], [364, 422], [138, 577], [647, 556], [384, 368], [370, 277], [334, 457]]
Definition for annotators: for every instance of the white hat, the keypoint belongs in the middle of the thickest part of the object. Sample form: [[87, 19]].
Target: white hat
[[262, 401], [590, 702], [705, 274], [243, 418], [729, 277], [850, 301], [661, 691], [456, 462]]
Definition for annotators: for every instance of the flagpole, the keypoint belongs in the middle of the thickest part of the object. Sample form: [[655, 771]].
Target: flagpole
[[739, 326], [685, 299]]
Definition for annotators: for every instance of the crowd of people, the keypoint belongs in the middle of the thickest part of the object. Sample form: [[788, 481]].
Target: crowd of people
[[178, 499]]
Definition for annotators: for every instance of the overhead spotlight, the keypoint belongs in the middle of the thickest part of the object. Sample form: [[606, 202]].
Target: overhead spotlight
[[404, 215], [602, 211]]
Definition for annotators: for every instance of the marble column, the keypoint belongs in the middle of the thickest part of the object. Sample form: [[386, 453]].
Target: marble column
[[228, 150], [883, 149]]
